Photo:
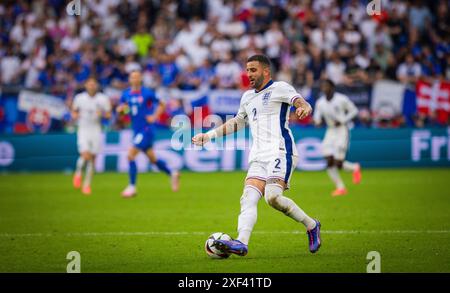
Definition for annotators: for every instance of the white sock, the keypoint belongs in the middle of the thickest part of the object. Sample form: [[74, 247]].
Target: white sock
[[89, 173], [333, 172], [80, 165], [274, 197], [247, 217], [349, 166]]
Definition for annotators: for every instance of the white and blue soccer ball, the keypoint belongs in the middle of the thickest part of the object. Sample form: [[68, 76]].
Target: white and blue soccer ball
[[213, 252]]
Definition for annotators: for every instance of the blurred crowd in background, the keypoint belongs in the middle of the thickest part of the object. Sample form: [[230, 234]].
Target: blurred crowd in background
[[197, 44]]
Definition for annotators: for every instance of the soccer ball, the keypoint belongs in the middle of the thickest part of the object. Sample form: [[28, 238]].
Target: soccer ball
[[211, 251]]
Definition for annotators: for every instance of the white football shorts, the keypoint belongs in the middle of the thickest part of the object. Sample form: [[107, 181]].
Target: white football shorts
[[335, 143], [279, 167], [89, 141]]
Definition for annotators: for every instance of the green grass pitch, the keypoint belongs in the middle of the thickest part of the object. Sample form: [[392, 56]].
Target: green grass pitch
[[403, 214]]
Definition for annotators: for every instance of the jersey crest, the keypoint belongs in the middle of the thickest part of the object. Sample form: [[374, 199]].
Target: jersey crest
[[266, 98]]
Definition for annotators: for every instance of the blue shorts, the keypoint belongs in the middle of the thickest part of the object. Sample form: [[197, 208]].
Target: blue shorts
[[143, 140]]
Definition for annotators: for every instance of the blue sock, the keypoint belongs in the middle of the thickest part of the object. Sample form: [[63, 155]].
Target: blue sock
[[132, 171], [163, 167]]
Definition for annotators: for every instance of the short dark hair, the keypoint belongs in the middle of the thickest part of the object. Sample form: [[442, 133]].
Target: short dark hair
[[263, 59], [92, 77], [330, 82]]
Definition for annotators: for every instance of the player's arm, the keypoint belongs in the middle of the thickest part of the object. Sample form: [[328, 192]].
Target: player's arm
[[75, 109], [352, 111], [106, 115], [303, 108], [74, 114], [231, 126], [286, 93], [317, 117], [106, 111], [122, 107], [159, 111]]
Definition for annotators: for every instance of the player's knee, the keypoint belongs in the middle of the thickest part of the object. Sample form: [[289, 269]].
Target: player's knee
[[131, 156], [258, 184], [251, 194], [330, 162], [152, 159], [151, 156], [272, 195]]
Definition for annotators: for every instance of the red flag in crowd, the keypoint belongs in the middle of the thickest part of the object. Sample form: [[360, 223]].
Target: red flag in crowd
[[434, 98]]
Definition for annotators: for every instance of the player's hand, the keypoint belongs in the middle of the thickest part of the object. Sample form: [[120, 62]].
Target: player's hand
[[200, 139], [337, 123], [151, 119], [303, 111], [74, 115], [122, 109]]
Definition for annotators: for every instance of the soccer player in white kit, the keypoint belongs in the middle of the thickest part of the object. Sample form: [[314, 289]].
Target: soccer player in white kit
[[88, 109], [337, 110], [273, 156]]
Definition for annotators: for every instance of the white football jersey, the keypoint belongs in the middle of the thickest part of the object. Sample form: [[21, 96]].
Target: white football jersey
[[339, 109], [88, 108], [267, 113]]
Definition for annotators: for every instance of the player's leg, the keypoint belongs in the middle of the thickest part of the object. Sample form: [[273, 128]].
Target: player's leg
[[131, 190], [340, 151], [333, 173], [253, 192], [348, 166], [82, 145], [88, 173], [355, 168], [77, 177], [342, 147], [94, 148], [329, 151], [162, 165], [281, 171], [82, 164], [342, 144], [275, 198]]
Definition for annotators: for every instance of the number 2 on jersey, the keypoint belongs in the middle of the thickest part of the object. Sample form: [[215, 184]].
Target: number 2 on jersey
[[254, 114], [278, 162]]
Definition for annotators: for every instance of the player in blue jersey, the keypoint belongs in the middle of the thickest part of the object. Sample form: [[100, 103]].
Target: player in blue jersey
[[144, 108]]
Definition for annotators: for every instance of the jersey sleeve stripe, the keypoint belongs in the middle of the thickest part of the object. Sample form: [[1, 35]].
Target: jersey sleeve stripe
[[295, 98], [287, 140]]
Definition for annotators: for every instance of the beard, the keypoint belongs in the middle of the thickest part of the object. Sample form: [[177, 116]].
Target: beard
[[258, 82]]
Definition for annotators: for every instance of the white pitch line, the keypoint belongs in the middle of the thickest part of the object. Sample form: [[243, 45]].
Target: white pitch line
[[162, 233]]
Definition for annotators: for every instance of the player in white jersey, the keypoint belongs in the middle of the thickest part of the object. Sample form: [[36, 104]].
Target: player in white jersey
[[88, 109], [337, 110], [273, 156]]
